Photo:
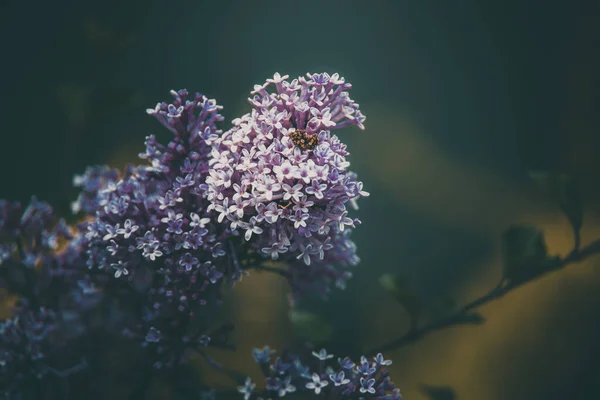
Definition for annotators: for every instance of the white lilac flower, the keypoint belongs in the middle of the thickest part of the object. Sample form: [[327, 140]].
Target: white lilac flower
[[247, 389], [128, 229], [120, 268], [262, 356], [317, 384], [286, 387], [366, 385], [379, 360], [322, 355], [339, 378]]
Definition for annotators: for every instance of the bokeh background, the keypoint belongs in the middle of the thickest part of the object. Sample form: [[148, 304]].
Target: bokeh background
[[462, 98]]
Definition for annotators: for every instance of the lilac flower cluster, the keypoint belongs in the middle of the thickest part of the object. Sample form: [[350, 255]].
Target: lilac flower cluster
[[290, 200], [94, 183], [30, 236], [37, 265], [159, 240], [25, 340], [39, 250], [317, 277], [345, 379], [152, 227], [158, 211]]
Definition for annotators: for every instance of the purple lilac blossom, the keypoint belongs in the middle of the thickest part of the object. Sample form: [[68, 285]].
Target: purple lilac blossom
[[33, 342], [318, 277], [25, 341], [324, 375], [38, 249], [42, 270], [153, 231], [154, 216], [94, 184], [290, 203], [30, 236], [160, 239]]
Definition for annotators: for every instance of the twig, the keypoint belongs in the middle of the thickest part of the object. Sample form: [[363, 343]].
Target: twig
[[499, 291]]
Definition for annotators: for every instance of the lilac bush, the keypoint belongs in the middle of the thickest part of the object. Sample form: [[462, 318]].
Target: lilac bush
[[158, 241]]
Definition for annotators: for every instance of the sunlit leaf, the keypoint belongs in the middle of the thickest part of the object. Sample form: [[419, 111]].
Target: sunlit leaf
[[399, 287], [438, 392], [563, 190], [523, 251], [310, 326]]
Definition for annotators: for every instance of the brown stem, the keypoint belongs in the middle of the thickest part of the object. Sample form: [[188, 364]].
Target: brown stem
[[456, 318]]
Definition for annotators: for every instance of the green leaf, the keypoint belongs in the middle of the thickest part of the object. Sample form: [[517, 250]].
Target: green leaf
[[563, 190], [310, 326], [438, 392], [399, 287], [523, 251]]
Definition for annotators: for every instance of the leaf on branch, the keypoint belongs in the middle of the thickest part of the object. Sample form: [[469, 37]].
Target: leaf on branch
[[310, 326], [524, 251], [563, 190], [438, 392], [399, 287]]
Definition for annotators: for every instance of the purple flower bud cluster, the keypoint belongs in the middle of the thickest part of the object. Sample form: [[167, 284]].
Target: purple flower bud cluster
[[25, 340], [155, 217], [37, 255], [37, 251], [318, 277], [153, 230], [94, 183], [341, 379], [35, 342], [289, 200], [30, 236]]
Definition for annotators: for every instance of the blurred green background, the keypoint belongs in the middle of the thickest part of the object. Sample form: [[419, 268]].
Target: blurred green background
[[462, 98]]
